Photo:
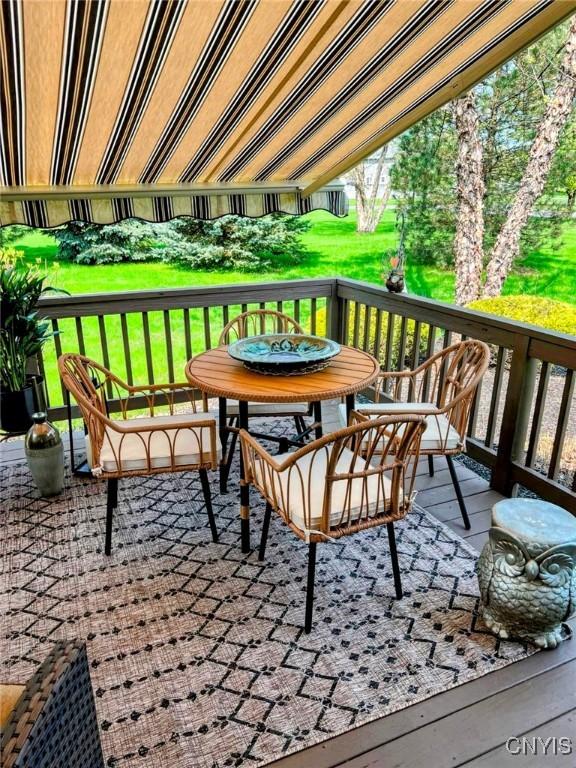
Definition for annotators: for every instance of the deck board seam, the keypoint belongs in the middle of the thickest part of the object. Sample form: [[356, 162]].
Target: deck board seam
[[451, 714], [522, 733]]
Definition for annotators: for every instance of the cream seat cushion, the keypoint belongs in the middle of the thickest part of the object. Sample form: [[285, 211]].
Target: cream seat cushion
[[372, 493], [131, 449], [268, 409], [437, 427]]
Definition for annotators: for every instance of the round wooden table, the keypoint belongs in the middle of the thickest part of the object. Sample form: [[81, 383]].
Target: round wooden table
[[216, 374]]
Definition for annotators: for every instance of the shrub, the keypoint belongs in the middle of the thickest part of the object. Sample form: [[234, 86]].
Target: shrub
[[129, 240], [549, 313], [236, 242], [231, 242]]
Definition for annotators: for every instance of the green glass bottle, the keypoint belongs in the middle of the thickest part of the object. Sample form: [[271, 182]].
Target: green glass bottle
[[45, 455]]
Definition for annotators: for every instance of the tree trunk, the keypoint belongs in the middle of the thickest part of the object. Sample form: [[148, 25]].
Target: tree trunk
[[468, 246], [359, 181], [507, 244], [369, 209]]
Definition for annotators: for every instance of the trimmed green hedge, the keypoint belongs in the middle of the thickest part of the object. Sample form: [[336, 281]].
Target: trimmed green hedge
[[549, 313]]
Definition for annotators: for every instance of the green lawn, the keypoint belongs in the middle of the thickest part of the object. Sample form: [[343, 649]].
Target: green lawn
[[335, 249], [546, 272]]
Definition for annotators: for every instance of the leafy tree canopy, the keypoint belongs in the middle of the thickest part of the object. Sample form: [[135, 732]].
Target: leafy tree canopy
[[510, 103]]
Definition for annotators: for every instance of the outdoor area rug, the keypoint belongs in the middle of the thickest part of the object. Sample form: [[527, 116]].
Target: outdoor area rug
[[197, 652]]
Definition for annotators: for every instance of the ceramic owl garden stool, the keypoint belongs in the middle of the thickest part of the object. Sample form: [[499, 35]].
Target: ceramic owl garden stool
[[527, 572]]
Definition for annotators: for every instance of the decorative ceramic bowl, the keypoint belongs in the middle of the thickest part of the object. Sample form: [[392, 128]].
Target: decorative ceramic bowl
[[284, 354]]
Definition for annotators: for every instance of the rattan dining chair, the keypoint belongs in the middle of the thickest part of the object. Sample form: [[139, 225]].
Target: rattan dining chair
[[255, 323], [156, 443], [339, 485], [441, 389]]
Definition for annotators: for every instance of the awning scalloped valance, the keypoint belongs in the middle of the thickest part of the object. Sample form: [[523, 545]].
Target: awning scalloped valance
[[48, 210]]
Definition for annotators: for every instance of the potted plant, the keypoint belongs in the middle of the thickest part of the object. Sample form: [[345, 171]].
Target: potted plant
[[22, 335]]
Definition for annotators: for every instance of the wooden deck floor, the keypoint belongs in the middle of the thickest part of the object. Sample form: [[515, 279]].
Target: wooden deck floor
[[468, 725]]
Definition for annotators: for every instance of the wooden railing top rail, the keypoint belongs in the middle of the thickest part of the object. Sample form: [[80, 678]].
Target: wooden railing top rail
[[493, 328], [84, 304], [489, 327]]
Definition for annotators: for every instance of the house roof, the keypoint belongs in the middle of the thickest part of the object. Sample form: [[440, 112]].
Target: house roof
[[112, 108]]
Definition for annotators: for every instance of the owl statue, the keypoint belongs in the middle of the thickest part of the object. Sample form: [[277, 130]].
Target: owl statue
[[528, 591]]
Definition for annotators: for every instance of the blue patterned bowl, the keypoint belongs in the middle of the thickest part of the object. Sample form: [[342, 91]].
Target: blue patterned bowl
[[284, 354]]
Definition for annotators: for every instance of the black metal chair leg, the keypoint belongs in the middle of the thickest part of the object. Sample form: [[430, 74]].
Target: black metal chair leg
[[395, 563], [111, 503], [318, 420], [114, 492], [229, 458], [244, 485], [208, 502], [265, 527], [224, 435], [310, 587], [300, 424], [431, 465], [454, 476]]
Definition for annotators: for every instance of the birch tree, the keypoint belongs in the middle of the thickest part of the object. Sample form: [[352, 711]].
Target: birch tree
[[506, 248], [489, 180], [370, 205], [469, 237]]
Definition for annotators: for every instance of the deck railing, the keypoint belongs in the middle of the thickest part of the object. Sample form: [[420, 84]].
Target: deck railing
[[523, 424]]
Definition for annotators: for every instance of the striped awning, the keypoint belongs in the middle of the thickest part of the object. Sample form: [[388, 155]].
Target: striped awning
[[117, 108]]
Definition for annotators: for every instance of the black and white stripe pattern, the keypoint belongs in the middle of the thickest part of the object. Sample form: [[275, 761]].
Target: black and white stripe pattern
[[201, 207], [237, 205], [342, 46], [456, 37], [322, 83], [417, 25], [80, 209], [271, 202], [12, 95], [285, 38], [304, 205], [337, 203], [159, 30], [36, 213], [226, 33], [158, 208], [84, 32], [470, 61], [123, 208], [163, 209]]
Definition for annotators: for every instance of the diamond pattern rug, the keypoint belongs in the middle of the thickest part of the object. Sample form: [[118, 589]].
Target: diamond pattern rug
[[198, 657]]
